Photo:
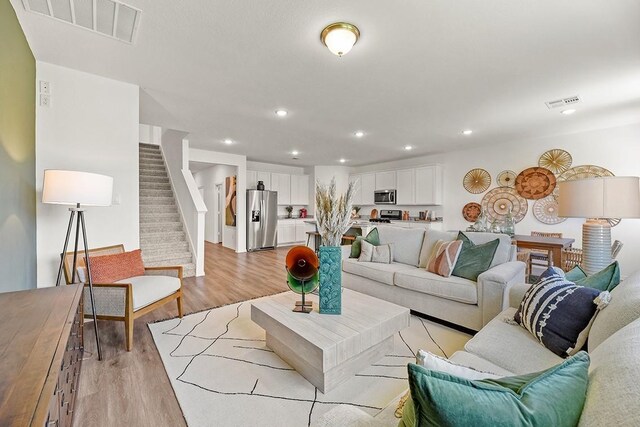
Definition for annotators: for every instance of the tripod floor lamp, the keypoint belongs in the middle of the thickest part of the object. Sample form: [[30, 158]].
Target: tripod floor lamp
[[78, 189]]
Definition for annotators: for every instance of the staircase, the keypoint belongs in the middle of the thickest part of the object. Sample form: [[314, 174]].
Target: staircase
[[162, 237]]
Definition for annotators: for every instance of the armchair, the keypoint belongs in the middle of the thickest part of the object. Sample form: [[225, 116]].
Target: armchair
[[130, 298]]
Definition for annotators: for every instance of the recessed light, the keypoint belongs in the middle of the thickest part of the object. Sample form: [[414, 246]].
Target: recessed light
[[467, 132], [359, 134], [281, 113], [295, 152], [343, 160], [228, 141], [568, 112], [408, 147]]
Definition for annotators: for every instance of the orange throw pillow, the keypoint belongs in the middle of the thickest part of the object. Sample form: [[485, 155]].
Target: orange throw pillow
[[116, 267], [444, 256]]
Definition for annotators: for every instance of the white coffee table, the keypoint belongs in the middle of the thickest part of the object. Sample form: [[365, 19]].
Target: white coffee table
[[328, 349]]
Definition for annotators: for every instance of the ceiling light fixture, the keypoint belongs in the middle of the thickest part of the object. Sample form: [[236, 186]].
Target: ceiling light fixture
[[343, 160], [281, 113], [359, 134], [408, 147], [467, 132], [568, 112], [340, 37], [295, 153], [228, 141]]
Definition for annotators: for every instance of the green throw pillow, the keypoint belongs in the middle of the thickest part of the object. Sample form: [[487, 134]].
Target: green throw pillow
[[474, 259], [604, 280], [554, 397], [373, 237]]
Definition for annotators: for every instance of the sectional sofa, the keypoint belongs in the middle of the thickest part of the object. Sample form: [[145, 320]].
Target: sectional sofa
[[407, 282]]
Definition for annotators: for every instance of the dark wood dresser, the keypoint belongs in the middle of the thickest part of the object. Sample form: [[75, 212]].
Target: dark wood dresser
[[41, 351]]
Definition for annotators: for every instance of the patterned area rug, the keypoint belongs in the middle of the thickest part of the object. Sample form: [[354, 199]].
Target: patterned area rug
[[224, 375]]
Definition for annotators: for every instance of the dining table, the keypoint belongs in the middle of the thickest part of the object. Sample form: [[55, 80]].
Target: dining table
[[555, 245]]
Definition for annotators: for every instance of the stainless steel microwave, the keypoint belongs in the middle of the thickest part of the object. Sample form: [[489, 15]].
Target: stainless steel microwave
[[384, 197]]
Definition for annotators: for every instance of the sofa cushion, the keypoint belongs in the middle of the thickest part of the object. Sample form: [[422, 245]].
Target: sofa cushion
[[371, 237], [453, 288], [470, 360], [510, 346], [149, 289], [554, 397], [503, 253], [623, 309], [614, 386], [407, 243], [431, 237], [474, 259], [382, 273]]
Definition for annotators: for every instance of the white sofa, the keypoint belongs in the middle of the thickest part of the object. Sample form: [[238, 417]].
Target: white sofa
[[508, 349], [407, 282]]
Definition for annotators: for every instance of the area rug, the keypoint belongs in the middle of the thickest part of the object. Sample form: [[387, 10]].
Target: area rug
[[224, 375]]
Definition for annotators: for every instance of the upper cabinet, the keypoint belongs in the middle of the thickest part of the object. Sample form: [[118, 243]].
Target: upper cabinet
[[357, 193], [429, 185], [281, 182], [252, 180], [386, 180], [265, 177], [406, 187], [299, 189], [368, 185]]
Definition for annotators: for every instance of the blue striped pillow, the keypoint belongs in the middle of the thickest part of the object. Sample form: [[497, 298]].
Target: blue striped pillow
[[559, 313]]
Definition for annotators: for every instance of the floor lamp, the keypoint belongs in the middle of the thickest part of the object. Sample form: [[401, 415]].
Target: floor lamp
[[78, 189], [598, 200]]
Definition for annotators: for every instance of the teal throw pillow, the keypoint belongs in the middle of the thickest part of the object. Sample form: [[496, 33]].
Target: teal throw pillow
[[554, 397], [604, 280], [356, 247], [474, 259]]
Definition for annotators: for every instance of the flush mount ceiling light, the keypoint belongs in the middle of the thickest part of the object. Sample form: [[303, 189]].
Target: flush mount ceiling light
[[228, 141], [408, 147], [340, 37], [467, 132], [359, 134], [281, 113], [568, 112]]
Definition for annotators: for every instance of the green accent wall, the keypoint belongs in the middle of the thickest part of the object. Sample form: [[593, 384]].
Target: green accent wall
[[17, 155]]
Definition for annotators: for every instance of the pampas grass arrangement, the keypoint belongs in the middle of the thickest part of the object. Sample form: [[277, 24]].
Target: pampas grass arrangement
[[333, 212]]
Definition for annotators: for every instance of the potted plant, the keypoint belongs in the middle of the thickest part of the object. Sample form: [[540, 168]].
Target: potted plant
[[289, 209], [355, 212], [333, 218]]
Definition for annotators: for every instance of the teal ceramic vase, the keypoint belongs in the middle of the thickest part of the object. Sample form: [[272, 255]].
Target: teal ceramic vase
[[330, 280]]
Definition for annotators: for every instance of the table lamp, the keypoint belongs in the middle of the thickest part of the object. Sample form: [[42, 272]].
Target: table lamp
[[599, 199], [62, 187]]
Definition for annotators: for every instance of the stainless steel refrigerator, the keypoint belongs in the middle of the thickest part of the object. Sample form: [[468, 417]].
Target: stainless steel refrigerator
[[262, 220]]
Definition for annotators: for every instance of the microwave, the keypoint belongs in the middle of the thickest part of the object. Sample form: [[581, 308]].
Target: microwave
[[384, 197]]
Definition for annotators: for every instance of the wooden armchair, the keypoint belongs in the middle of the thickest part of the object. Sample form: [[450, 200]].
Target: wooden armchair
[[131, 298]]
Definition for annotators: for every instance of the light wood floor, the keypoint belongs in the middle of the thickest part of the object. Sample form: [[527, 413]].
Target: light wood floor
[[132, 388]]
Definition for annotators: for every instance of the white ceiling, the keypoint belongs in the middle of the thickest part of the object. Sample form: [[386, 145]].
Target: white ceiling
[[423, 71]]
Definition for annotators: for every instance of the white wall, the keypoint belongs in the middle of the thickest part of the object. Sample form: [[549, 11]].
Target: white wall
[[617, 149], [207, 179], [240, 162], [273, 168], [149, 134], [92, 126], [324, 174]]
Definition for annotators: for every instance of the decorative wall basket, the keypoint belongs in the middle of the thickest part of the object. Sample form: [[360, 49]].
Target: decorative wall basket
[[330, 292], [535, 183], [546, 211], [497, 203], [471, 211], [476, 181], [556, 160], [506, 179]]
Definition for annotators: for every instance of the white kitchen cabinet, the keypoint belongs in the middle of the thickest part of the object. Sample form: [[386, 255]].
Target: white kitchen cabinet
[[286, 232], [386, 180], [281, 182], [406, 187], [368, 185], [299, 190], [301, 232], [252, 180], [428, 181], [265, 177], [357, 194]]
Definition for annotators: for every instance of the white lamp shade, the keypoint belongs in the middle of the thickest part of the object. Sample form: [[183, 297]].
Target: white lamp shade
[[72, 187], [606, 197], [340, 41]]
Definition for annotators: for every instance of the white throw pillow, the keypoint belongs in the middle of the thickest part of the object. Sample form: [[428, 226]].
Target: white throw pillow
[[436, 363], [381, 254]]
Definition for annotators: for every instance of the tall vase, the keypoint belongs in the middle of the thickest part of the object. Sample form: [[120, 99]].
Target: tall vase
[[330, 280]]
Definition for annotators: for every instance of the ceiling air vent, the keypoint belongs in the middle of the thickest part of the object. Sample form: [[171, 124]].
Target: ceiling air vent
[[563, 102], [107, 17]]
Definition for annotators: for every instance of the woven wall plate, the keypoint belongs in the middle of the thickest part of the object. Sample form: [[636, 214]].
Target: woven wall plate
[[535, 183], [476, 181], [471, 211], [556, 160], [497, 202], [506, 179], [546, 211]]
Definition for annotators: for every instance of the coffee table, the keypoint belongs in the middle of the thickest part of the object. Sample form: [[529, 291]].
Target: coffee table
[[329, 349]]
